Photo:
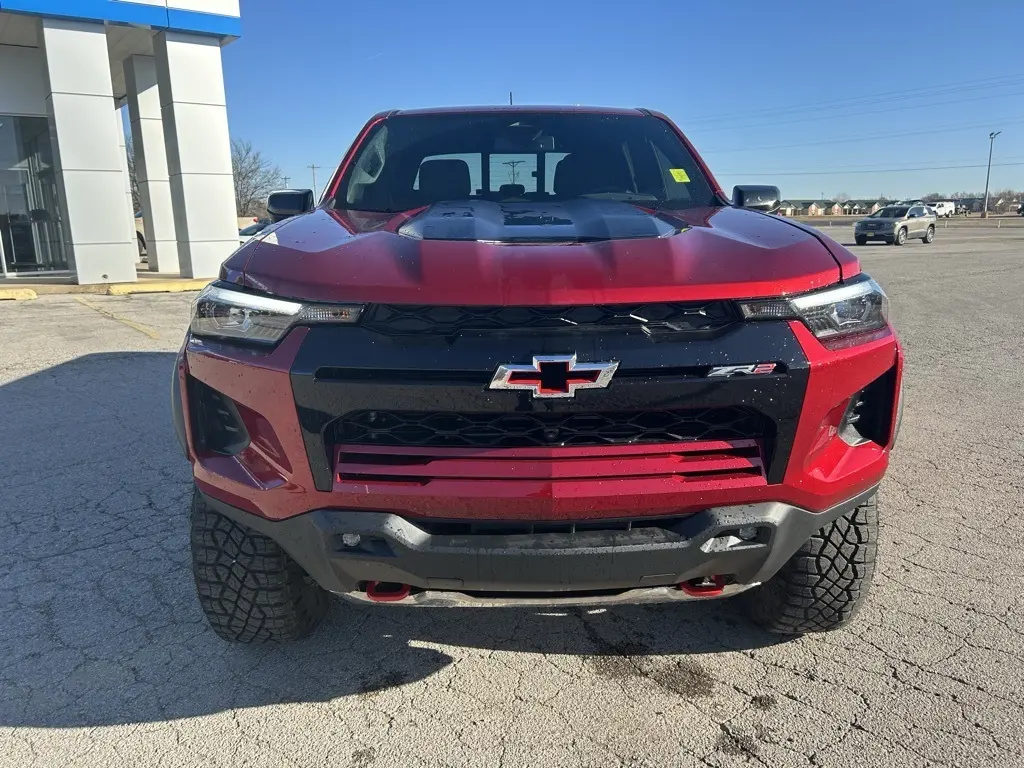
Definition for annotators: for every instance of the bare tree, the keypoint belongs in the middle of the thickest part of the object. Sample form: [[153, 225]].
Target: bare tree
[[842, 197], [255, 178], [130, 147]]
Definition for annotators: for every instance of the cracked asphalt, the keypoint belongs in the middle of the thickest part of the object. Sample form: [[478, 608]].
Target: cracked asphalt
[[106, 660]]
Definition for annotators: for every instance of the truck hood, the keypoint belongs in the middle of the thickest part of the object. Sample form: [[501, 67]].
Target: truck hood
[[582, 252]]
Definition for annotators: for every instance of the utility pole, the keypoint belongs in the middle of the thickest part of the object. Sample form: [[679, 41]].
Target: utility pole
[[286, 180], [510, 98], [314, 168], [988, 173], [512, 164]]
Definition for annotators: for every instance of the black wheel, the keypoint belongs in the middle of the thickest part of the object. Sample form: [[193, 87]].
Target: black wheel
[[249, 588], [860, 240], [824, 584], [143, 253], [929, 235], [901, 237]]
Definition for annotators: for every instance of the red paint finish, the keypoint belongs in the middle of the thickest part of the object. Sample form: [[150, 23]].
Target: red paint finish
[[723, 253], [697, 587], [379, 594], [659, 460], [822, 464], [542, 483]]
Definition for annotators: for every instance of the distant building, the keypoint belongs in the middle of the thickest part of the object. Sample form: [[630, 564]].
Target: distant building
[[864, 207], [821, 207]]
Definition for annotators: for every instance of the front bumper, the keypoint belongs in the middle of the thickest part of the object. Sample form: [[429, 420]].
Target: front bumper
[[875, 234], [582, 567]]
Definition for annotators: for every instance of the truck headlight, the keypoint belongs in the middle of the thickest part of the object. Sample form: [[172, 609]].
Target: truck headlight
[[229, 313], [857, 306]]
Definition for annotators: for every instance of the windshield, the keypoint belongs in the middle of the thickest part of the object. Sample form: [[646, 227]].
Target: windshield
[[409, 161], [892, 213]]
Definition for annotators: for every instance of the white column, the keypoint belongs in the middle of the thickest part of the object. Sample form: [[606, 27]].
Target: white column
[[151, 163], [125, 173], [195, 118], [87, 154]]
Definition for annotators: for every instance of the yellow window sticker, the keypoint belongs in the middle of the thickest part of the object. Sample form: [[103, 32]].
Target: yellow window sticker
[[679, 175]]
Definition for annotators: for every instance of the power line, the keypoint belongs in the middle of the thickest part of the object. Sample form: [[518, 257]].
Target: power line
[[314, 168], [864, 170], [966, 85], [898, 108], [914, 163], [874, 137]]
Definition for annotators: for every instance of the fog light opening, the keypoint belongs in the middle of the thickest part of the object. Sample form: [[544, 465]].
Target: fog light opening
[[351, 539], [747, 533], [848, 426]]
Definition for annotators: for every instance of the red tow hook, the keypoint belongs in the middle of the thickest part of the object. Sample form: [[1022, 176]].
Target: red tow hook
[[709, 586], [387, 591]]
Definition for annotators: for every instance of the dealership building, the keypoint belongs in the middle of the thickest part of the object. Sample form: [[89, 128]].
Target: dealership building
[[68, 70]]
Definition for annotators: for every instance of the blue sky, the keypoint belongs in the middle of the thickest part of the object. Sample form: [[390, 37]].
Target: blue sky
[[759, 90]]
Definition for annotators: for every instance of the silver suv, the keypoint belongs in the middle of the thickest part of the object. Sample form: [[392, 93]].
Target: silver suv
[[896, 224]]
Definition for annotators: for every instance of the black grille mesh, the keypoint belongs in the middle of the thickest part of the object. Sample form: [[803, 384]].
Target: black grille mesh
[[518, 430], [413, 320]]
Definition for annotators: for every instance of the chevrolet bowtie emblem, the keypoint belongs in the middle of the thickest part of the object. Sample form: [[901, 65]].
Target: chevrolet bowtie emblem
[[554, 376]]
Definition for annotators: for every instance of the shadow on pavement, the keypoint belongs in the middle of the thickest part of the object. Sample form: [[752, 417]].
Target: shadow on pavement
[[100, 621]]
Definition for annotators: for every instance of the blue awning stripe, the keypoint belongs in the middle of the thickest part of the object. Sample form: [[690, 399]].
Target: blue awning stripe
[[126, 12]]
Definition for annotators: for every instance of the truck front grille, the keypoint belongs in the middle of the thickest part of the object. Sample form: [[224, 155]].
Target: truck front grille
[[545, 429]]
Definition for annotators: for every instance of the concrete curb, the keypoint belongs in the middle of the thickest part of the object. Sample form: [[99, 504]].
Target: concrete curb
[[161, 286], [17, 294], [100, 289]]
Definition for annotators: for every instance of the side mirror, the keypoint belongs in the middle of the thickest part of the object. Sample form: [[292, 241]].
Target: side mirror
[[757, 197], [289, 202]]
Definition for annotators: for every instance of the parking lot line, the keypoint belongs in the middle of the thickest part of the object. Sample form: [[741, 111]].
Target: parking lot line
[[123, 320]]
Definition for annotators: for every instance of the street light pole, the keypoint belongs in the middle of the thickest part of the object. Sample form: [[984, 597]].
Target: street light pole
[[988, 173]]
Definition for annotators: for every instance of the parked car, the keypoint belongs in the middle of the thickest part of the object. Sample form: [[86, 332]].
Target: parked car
[[599, 385], [943, 208], [896, 224]]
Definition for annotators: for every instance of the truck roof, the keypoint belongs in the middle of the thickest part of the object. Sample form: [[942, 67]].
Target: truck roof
[[518, 108]]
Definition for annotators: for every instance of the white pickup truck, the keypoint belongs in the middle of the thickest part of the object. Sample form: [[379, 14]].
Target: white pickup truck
[[943, 208]]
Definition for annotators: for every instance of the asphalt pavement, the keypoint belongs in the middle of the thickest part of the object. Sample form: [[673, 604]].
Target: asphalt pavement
[[106, 660]]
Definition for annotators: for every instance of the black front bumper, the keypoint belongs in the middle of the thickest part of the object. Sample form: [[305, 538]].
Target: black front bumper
[[396, 550]]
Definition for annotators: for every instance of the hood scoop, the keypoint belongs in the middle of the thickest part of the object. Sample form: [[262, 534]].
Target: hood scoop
[[573, 221]]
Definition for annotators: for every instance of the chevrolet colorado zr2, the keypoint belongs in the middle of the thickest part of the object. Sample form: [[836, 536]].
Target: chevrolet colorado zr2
[[534, 356]]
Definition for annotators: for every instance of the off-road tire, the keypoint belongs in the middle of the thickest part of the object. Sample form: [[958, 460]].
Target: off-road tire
[[901, 237], [825, 583], [860, 240], [929, 236], [249, 588]]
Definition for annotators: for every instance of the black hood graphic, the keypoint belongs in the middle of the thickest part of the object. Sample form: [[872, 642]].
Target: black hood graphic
[[580, 220]]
